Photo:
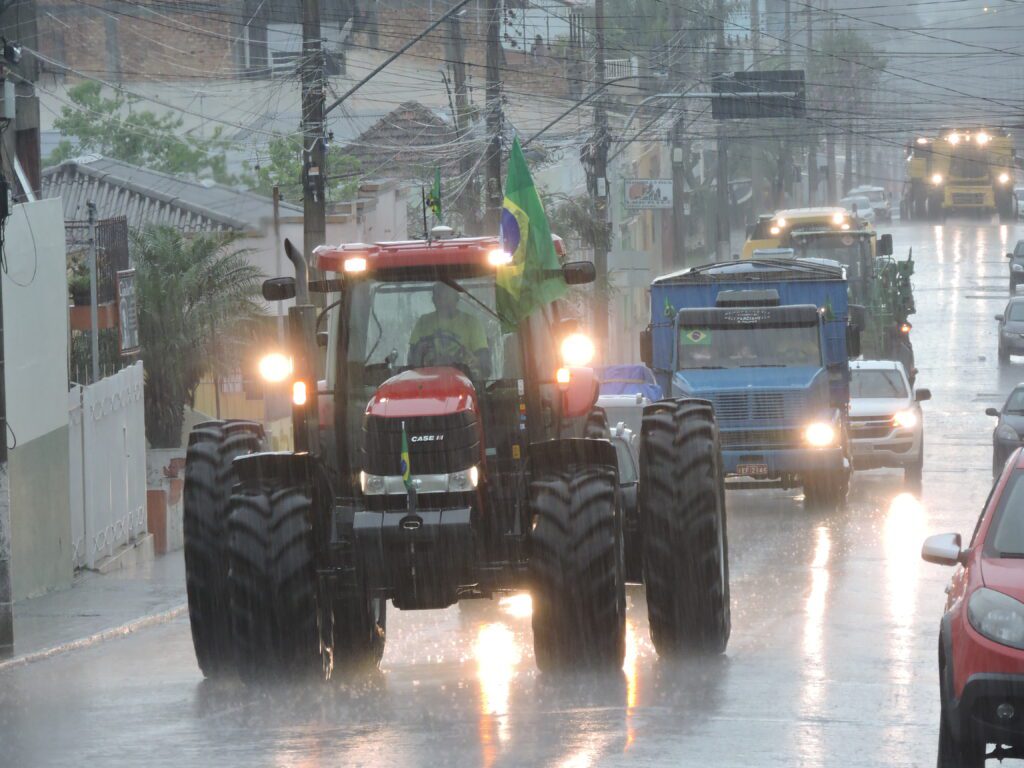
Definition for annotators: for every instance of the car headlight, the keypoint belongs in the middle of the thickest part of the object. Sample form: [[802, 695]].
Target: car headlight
[[820, 435], [577, 350], [1006, 432], [1018, 267], [465, 480], [905, 419], [998, 617]]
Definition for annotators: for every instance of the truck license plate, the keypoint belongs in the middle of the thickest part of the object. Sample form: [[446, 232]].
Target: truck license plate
[[752, 470]]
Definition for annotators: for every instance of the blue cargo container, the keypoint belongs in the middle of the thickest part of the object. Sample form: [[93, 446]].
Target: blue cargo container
[[766, 342]]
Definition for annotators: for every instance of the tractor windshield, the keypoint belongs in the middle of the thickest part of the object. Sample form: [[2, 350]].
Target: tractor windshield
[[394, 326], [851, 251]]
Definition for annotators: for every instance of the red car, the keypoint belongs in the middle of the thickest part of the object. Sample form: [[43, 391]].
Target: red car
[[981, 637]]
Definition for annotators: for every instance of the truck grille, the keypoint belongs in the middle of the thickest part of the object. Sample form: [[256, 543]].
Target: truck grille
[[760, 438], [437, 444], [968, 198], [756, 406]]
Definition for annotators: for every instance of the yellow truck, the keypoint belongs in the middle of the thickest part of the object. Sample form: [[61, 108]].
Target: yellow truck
[[965, 170], [881, 295]]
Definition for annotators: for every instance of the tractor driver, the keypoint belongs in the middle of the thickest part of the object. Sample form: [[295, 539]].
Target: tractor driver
[[448, 336]]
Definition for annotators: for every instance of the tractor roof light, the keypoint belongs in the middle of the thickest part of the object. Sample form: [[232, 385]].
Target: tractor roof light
[[499, 258], [953, 138], [1004, 178], [838, 217], [774, 231], [299, 396], [922, 140], [780, 221], [905, 328], [936, 179], [982, 138], [355, 264], [562, 377]]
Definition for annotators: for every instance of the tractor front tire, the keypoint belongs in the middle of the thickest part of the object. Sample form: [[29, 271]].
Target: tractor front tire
[[272, 582], [358, 632], [209, 477], [685, 542], [577, 570]]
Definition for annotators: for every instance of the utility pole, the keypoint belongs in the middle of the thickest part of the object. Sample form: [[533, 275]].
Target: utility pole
[[830, 138], [6, 591], [680, 148], [787, 155], [722, 244], [314, 150], [601, 309], [470, 201], [492, 216], [756, 180], [94, 312], [812, 148]]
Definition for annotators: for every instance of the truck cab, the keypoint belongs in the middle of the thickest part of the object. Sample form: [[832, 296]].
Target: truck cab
[[766, 342]]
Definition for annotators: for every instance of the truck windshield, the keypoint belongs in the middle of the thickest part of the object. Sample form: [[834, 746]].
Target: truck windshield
[[749, 347], [849, 250]]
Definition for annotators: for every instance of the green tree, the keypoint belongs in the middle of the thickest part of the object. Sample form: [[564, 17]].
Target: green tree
[[283, 167], [197, 298], [142, 138]]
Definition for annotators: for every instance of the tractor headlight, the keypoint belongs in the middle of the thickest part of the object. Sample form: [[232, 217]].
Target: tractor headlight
[[371, 484], [998, 617], [820, 435], [936, 179], [275, 367], [466, 480], [838, 217], [499, 257], [905, 419], [1004, 178], [577, 350]]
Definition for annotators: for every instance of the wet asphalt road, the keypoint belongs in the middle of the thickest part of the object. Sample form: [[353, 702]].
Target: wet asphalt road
[[831, 662]]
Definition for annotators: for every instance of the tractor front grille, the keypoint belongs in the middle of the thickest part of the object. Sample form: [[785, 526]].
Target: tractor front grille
[[968, 198], [437, 444]]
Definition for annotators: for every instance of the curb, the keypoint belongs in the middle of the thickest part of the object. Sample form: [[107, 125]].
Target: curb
[[99, 637]]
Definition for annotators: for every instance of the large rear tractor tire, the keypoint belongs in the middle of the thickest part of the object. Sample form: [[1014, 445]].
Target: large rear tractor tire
[[209, 476], [272, 582], [577, 570], [685, 542]]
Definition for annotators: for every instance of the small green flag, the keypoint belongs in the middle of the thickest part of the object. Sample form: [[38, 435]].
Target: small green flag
[[434, 198], [695, 337], [405, 467], [534, 277]]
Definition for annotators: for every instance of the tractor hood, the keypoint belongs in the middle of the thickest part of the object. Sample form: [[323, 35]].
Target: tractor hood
[[423, 392], [696, 382]]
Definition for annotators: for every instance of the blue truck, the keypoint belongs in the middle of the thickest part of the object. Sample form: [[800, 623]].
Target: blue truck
[[767, 341]]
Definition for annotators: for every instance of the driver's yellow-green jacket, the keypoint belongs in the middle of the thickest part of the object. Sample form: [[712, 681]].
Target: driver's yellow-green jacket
[[467, 330]]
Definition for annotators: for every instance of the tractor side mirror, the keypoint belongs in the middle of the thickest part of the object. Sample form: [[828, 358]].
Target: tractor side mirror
[[922, 394], [646, 347], [579, 272], [279, 288], [992, 412], [885, 245]]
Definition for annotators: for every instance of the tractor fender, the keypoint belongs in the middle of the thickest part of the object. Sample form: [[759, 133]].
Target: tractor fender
[[285, 468], [553, 455]]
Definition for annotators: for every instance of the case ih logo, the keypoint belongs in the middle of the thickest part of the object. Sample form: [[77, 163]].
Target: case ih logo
[[426, 438]]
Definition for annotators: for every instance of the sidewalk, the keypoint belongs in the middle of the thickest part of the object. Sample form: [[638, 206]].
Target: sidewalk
[[97, 606]]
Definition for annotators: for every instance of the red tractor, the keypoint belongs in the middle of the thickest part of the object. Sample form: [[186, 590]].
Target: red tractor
[[426, 472]]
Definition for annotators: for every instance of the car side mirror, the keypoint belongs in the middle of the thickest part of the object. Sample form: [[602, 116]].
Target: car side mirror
[[992, 412], [1009, 255], [279, 288], [922, 394], [885, 245], [942, 549], [999, 318], [579, 272]]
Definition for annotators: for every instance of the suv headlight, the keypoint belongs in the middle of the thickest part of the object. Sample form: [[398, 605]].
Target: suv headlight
[[1006, 432], [905, 419], [996, 616]]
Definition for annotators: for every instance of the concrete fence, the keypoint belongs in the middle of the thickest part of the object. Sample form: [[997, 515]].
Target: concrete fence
[[107, 449]]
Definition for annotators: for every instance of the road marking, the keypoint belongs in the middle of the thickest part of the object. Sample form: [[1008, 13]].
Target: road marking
[[86, 642]]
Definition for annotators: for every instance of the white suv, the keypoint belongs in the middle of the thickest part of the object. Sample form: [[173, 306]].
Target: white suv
[[886, 423]]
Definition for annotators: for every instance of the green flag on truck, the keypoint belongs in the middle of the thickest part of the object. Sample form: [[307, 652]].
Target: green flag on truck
[[534, 277]]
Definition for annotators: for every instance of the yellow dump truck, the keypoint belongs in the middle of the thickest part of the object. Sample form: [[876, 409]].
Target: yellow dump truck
[[960, 171]]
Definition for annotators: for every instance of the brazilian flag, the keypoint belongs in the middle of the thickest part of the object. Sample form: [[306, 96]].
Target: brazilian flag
[[406, 470], [695, 337], [534, 277]]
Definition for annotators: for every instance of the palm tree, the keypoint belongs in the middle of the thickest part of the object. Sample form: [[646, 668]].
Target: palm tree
[[197, 295]]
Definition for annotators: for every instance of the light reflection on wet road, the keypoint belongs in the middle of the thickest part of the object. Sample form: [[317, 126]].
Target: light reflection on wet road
[[832, 659]]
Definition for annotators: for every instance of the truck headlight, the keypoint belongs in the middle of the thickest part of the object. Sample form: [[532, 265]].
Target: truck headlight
[[275, 367], [1006, 432], [1004, 178], [936, 179], [820, 435], [577, 350], [998, 617], [905, 419]]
